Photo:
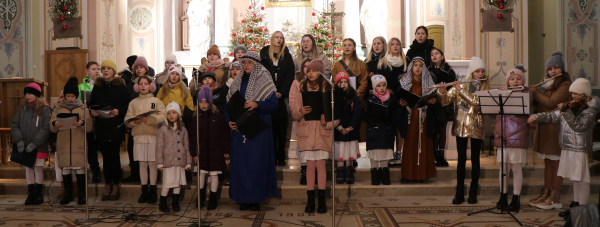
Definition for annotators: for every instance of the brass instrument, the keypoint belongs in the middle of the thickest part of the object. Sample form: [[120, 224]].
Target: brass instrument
[[447, 85]]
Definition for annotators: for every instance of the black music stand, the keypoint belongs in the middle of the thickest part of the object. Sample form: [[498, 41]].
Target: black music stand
[[495, 102]]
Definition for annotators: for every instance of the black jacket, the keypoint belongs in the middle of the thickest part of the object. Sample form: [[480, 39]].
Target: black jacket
[[381, 133], [447, 75], [350, 118], [422, 50], [286, 73], [392, 75], [115, 94]]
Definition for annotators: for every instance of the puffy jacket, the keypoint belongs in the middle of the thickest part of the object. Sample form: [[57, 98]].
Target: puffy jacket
[[381, 134], [30, 128], [215, 140], [311, 134], [468, 123], [172, 147], [516, 130], [142, 104], [115, 94], [70, 143], [576, 126], [350, 118], [174, 94]]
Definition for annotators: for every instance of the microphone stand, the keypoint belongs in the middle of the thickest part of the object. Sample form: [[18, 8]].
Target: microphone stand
[[332, 151], [198, 147]]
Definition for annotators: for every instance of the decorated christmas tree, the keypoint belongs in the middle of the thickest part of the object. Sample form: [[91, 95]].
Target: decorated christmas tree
[[330, 42], [253, 32]]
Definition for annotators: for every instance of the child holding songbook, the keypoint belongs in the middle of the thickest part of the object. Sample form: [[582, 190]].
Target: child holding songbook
[[516, 142], [468, 124], [577, 120], [69, 142], [381, 131], [144, 132], [300, 75], [346, 137], [172, 156], [213, 136], [314, 136]]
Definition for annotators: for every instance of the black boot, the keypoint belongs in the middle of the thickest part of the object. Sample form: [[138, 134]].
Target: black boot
[[202, 197], [144, 197], [322, 202], [350, 174], [303, 175], [566, 213], [310, 203], [152, 196], [440, 160], [68, 182], [254, 207], [473, 193], [503, 202], [515, 204], [340, 175], [175, 202], [81, 192], [212, 201], [39, 194], [374, 176], [30, 194], [95, 175], [385, 175], [459, 198], [162, 206]]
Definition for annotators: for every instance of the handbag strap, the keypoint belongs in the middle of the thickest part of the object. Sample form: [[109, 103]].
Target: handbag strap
[[346, 67]]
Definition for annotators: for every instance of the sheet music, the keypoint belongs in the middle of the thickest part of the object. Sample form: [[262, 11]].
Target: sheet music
[[514, 102], [104, 113], [67, 122], [353, 82]]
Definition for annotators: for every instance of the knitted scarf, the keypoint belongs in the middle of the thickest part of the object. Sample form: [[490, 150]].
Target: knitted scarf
[[216, 64], [260, 85], [383, 97], [394, 61], [73, 105]]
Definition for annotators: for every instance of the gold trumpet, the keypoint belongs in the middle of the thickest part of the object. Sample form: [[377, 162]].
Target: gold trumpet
[[450, 84]]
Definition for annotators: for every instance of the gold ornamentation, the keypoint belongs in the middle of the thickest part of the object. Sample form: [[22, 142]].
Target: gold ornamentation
[[283, 3]]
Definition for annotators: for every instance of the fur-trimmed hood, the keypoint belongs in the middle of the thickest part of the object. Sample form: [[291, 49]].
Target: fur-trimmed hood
[[116, 82]]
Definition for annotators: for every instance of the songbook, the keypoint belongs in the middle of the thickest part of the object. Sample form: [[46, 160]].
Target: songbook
[[235, 106], [247, 121], [414, 101], [140, 116], [67, 120], [320, 104], [103, 110]]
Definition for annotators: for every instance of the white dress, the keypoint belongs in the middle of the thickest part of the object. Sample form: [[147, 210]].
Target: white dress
[[173, 177], [380, 154], [574, 166], [314, 155], [346, 149], [512, 155], [144, 148]]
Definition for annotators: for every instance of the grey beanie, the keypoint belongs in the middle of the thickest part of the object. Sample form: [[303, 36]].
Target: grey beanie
[[240, 47], [556, 60]]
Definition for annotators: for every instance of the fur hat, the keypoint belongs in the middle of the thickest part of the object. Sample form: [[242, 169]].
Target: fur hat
[[214, 50], [251, 55], [376, 79], [33, 89], [476, 63], [136, 88], [130, 60], [581, 86], [72, 87], [176, 68], [110, 63], [316, 65], [208, 73], [519, 70], [341, 75], [171, 58], [205, 95], [173, 106], [556, 60], [240, 47], [140, 61]]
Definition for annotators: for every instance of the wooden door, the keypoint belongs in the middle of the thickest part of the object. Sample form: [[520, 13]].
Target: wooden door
[[61, 65], [436, 32]]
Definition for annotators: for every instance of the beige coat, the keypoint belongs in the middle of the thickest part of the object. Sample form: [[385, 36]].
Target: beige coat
[[311, 134], [142, 104], [70, 143], [321, 56], [173, 147]]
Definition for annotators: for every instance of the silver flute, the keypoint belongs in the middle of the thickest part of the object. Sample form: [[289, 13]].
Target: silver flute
[[450, 84], [546, 80]]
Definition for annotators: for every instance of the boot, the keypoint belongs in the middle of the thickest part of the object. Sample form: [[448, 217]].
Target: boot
[[566, 213], [62, 193], [75, 188], [303, 175], [30, 194], [440, 160], [515, 204], [39, 194], [459, 198], [350, 174], [116, 195], [374, 176], [162, 206], [340, 175], [473, 193], [202, 197], [544, 193], [322, 202], [81, 185], [175, 202], [385, 175], [212, 201], [503, 202], [144, 197], [152, 194], [108, 188], [95, 175], [552, 202], [254, 207], [310, 204]]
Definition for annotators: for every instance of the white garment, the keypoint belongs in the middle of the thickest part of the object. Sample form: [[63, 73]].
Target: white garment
[[548, 156], [199, 17], [314, 155], [394, 61], [173, 177], [380, 154], [40, 162], [374, 17], [144, 148], [211, 173], [574, 166], [512, 155], [346, 149]]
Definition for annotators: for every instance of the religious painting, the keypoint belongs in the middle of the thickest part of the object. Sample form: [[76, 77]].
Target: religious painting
[[288, 3]]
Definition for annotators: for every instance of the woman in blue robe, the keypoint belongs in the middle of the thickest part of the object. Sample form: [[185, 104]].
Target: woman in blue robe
[[252, 175]]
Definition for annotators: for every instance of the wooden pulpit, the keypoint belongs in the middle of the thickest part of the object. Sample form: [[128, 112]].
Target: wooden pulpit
[[61, 65]]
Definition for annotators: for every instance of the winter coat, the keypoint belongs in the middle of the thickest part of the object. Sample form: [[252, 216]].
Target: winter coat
[[286, 73], [174, 94], [516, 130], [172, 147], [293, 92], [447, 75], [142, 104], [321, 56], [392, 75], [545, 102], [381, 133], [468, 123], [362, 77], [115, 94], [163, 76], [30, 128], [214, 139], [312, 135], [421, 50], [218, 99], [350, 118], [576, 126], [70, 143], [86, 87]]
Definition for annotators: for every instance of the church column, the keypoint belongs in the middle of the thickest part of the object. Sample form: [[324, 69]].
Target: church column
[[223, 15], [352, 23]]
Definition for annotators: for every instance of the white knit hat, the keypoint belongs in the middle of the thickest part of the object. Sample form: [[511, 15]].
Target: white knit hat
[[581, 86], [176, 68], [171, 58], [376, 79], [476, 63], [174, 106]]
